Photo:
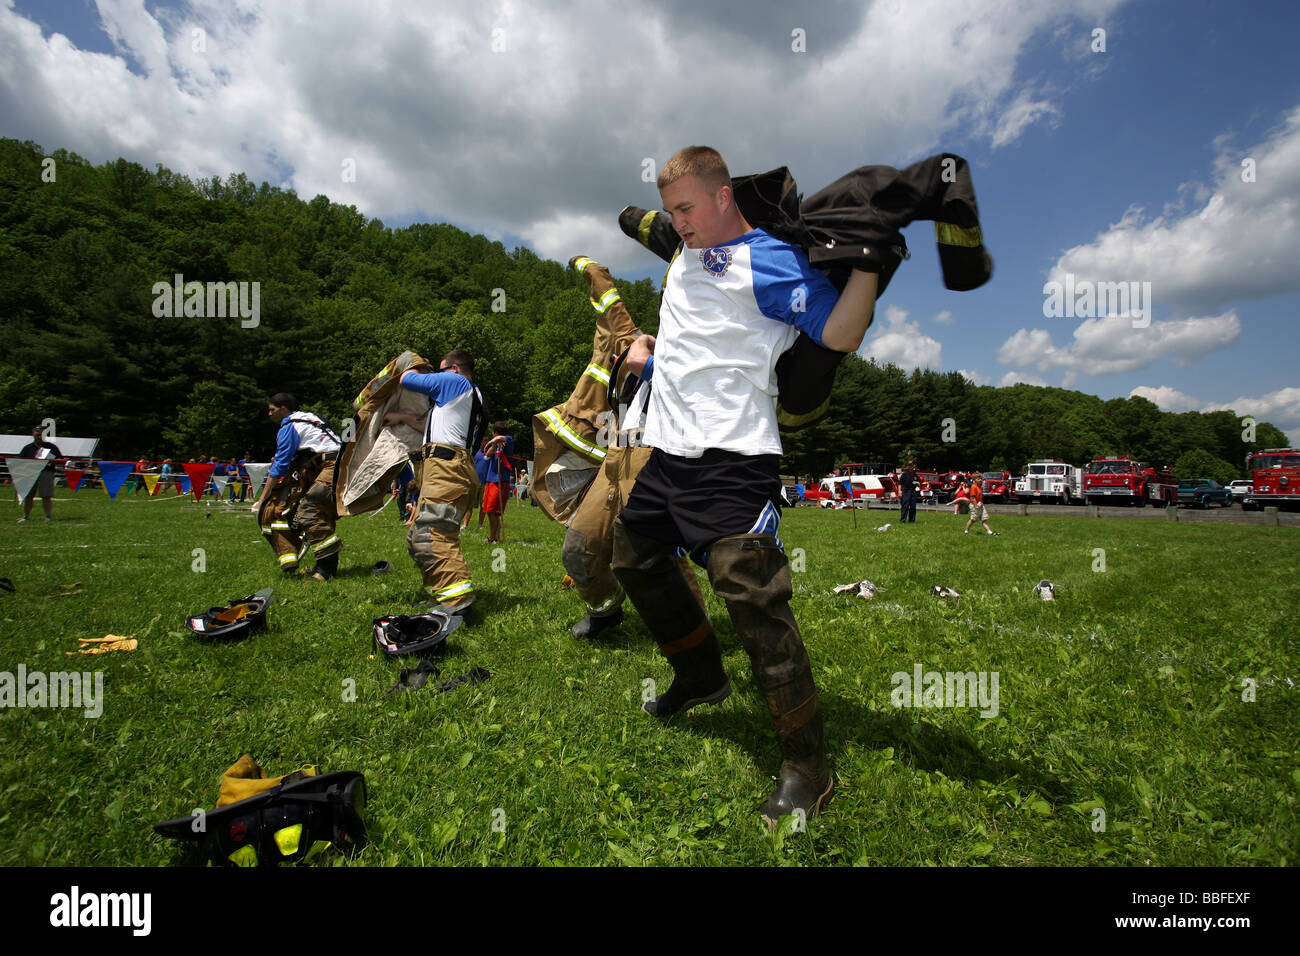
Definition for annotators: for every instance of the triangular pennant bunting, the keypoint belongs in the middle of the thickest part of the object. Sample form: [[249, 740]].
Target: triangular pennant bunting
[[256, 474], [220, 481], [151, 482], [24, 472], [199, 475], [183, 483], [114, 474], [236, 489], [74, 476]]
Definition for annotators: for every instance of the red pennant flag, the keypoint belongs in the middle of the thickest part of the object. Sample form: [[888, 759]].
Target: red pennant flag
[[199, 475], [74, 476]]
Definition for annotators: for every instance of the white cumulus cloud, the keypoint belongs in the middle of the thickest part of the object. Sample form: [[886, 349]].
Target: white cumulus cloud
[[1281, 407], [902, 343], [523, 119], [1015, 378], [1111, 345], [1167, 399], [1239, 243]]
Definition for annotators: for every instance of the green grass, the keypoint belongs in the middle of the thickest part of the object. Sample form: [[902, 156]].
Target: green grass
[[1124, 694]]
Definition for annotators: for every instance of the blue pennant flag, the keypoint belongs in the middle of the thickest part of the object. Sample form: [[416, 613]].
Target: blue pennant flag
[[114, 474]]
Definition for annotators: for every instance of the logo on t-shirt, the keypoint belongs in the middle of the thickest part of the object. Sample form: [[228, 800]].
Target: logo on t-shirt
[[716, 261]]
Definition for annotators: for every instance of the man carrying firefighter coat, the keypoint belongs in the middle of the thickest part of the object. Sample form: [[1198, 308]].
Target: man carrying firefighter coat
[[735, 298], [296, 507], [446, 475], [589, 535]]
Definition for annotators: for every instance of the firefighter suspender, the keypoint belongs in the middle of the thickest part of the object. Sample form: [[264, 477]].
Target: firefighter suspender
[[477, 422]]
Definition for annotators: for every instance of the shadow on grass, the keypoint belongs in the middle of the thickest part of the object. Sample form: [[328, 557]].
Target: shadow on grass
[[916, 743]]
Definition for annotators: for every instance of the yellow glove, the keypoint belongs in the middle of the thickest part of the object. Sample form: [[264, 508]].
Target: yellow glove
[[244, 779], [103, 645]]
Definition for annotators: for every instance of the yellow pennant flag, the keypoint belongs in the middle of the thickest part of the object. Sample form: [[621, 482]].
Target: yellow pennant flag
[[151, 482], [237, 489]]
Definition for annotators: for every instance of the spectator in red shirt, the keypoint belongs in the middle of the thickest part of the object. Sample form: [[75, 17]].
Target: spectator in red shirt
[[977, 509]]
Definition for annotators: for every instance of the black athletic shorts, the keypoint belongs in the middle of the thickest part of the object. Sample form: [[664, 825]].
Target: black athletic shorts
[[692, 502]]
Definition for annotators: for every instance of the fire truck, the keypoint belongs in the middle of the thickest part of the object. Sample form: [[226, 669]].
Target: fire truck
[[933, 487], [1274, 479], [1050, 480], [1120, 479], [997, 486]]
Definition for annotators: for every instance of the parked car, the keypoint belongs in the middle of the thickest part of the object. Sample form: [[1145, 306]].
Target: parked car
[[1201, 492], [1239, 489]]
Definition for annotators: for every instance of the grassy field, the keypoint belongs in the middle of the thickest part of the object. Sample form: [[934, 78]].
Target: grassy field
[[1125, 695]]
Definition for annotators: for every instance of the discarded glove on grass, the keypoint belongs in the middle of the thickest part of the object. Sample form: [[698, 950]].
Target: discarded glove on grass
[[413, 678], [863, 589], [103, 645]]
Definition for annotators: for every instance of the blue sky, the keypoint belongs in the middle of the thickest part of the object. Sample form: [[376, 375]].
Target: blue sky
[[530, 122]]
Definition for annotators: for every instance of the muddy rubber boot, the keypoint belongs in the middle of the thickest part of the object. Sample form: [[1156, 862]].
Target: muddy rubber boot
[[751, 574], [591, 627], [654, 583], [698, 678], [326, 567], [803, 782]]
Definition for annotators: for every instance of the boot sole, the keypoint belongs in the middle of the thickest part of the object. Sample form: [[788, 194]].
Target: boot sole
[[816, 809], [716, 697]]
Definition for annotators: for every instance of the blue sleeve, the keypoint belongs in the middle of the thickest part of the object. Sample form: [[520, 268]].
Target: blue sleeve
[[788, 289], [286, 446], [510, 445], [441, 387], [648, 372]]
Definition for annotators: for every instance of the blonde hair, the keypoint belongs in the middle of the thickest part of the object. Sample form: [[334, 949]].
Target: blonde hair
[[703, 162]]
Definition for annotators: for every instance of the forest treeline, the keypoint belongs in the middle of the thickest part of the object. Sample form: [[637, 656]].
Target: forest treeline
[[90, 342]]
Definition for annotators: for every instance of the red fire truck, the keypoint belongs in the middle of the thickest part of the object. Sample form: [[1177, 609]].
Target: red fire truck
[[1119, 479], [1274, 479], [997, 486]]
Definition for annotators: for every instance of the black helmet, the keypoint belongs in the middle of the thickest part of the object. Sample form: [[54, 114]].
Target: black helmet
[[404, 634], [236, 620]]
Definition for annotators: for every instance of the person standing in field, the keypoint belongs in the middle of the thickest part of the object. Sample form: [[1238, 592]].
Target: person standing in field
[[734, 300], [39, 448], [977, 510]]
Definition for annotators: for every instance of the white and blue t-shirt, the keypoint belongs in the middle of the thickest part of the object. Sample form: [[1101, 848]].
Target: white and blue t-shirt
[[300, 431], [452, 396], [728, 312]]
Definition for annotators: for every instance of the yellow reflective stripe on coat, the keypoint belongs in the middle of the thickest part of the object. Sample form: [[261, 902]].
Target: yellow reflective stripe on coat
[[599, 373], [606, 300], [950, 235], [572, 438], [331, 540], [581, 263], [643, 230], [288, 559]]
